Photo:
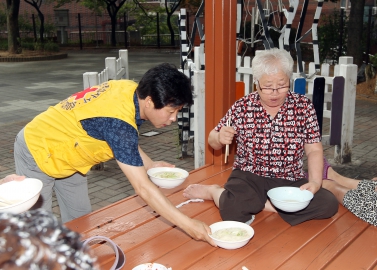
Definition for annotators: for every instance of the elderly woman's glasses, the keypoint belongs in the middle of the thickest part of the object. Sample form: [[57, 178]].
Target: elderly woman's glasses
[[268, 90]]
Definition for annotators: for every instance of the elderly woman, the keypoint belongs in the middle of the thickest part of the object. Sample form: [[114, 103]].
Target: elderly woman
[[273, 128]]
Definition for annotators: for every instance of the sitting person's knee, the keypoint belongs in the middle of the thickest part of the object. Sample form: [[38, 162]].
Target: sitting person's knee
[[330, 205], [240, 212]]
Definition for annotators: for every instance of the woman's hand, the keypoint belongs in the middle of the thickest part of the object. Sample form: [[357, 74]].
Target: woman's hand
[[312, 186], [160, 163], [12, 177], [198, 230], [226, 134]]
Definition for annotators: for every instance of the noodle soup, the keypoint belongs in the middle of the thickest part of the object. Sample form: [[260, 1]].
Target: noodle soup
[[168, 175], [231, 234]]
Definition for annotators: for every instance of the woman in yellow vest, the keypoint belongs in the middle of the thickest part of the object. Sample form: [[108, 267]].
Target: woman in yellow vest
[[60, 145]]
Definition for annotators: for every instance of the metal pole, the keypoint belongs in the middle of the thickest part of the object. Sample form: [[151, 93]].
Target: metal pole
[[341, 33], [158, 30], [368, 34], [125, 29], [80, 31], [96, 30]]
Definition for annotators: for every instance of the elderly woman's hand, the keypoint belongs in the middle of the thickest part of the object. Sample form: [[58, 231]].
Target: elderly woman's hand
[[312, 186], [226, 135]]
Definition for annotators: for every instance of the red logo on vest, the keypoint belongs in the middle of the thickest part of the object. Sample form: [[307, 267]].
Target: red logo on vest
[[82, 94]]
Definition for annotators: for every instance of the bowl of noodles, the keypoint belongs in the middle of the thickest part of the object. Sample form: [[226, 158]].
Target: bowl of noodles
[[167, 177], [231, 234]]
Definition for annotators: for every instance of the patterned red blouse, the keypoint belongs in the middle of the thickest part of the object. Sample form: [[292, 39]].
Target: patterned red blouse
[[272, 147]]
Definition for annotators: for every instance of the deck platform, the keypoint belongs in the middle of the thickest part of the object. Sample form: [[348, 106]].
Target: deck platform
[[341, 242]]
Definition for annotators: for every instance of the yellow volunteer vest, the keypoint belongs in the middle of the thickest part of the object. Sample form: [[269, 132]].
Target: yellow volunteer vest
[[56, 139]]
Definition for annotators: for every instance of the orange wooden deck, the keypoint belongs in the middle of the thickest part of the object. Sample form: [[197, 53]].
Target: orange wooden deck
[[341, 242]]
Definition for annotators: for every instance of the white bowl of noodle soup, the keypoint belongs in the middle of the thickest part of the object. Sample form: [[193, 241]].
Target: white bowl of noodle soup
[[19, 196], [231, 234], [167, 177]]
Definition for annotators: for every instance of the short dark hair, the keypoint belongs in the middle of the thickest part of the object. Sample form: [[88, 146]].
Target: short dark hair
[[167, 86], [42, 242]]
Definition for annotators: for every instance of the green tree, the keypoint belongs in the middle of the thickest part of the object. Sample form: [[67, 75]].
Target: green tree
[[12, 10], [37, 5], [355, 31], [329, 36], [170, 8], [111, 6]]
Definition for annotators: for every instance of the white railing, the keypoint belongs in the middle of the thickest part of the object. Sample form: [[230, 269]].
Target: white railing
[[115, 69]]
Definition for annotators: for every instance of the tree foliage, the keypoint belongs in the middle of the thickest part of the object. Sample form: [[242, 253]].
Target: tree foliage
[[329, 36]]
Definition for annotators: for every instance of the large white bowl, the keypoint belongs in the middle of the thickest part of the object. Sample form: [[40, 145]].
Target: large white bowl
[[150, 266], [290, 199], [167, 182], [231, 224], [21, 194]]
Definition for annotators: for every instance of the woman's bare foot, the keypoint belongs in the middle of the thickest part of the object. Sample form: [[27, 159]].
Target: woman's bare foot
[[205, 192], [196, 191]]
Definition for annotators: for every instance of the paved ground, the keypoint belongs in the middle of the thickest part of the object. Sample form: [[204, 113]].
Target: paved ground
[[28, 88]]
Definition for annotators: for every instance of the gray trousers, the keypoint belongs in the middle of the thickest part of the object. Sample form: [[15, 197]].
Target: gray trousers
[[71, 192]]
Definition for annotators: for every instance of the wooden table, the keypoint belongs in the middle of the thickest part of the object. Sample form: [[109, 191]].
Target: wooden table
[[341, 242]]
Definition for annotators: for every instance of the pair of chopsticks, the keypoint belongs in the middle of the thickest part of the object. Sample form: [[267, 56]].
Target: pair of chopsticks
[[227, 146]]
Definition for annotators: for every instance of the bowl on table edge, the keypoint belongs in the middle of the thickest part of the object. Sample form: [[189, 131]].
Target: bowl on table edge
[[167, 182], [231, 224], [290, 199], [150, 266], [21, 195]]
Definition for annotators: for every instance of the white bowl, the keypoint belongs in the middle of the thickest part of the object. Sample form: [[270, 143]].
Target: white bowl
[[167, 182], [21, 195], [150, 266], [231, 244], [290, 199]]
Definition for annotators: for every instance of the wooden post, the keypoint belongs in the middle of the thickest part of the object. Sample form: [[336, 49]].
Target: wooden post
[[220, 59]]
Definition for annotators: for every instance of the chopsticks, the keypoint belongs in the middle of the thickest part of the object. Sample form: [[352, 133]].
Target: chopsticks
[[227, 146]]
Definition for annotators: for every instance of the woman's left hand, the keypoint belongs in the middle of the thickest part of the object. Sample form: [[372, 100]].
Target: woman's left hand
[[312, 186]]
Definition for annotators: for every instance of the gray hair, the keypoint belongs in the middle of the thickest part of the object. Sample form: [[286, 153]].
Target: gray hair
[[37, 240], [268, 62]]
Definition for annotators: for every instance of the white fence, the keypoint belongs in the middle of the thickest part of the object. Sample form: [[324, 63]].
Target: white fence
[[343, 151], [115, 69]]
